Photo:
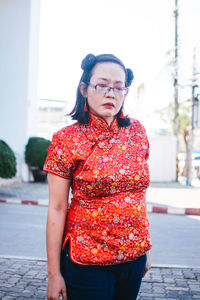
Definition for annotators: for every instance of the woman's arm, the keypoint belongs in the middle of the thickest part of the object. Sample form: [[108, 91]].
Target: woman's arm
[[57, 209]]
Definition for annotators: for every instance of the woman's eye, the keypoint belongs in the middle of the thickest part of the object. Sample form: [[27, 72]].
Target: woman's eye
[[119, 88], [102, 85]]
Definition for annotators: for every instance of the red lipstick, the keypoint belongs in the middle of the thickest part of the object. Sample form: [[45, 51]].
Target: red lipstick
[[109, 105]]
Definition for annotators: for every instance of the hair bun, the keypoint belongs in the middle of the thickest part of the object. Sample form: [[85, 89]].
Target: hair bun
[[88, 62], [130, 76]]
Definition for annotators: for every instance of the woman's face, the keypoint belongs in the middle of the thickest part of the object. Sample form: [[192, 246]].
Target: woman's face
[[108, 104]]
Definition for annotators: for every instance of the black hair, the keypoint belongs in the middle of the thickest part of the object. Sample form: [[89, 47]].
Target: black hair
[[87, 65]]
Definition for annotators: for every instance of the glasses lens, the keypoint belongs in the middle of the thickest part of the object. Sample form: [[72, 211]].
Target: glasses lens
[[119, 91], [102, 89]]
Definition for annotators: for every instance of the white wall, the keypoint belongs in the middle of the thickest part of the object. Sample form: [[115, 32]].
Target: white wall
[[162, 161], [19, 36]]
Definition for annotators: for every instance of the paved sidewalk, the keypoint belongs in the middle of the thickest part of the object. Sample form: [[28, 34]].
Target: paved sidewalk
[[172, 198], [27, 279]]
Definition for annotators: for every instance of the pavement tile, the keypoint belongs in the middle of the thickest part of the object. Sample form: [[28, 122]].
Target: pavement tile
[[165, 271], [181, 284], [31, 289], [4, 276], [13, 279], [36, 283], [177, 288], [151, 294], [159, 289], [32, 273], [193, 281], [2, 294], [15, 289], [16, 266], [146, 287], [157, 279], [42, 288], [195, 287], [169, 280], [173, 294], [4, 287], [15, 295], [41, 293], [159, 283], [41, 263]]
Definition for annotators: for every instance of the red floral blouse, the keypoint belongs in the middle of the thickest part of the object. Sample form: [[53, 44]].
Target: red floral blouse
[[106, 220]]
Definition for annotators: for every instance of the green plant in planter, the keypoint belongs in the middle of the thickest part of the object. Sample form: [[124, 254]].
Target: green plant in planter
[[35, 155], [7, 161]]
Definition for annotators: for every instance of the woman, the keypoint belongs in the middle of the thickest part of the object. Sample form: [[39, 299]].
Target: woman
[[98, 247]]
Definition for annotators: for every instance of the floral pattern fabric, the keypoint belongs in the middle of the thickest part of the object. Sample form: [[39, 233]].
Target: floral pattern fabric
[[106, 221]]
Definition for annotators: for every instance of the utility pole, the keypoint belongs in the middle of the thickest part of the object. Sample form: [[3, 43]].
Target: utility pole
[[193, 122], [176, 103]]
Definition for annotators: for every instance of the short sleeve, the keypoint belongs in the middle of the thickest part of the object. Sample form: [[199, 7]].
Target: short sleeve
[[147, 143], [58, 160], [146, 140]]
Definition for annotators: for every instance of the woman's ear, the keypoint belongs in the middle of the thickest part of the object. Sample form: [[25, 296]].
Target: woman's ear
[[83, 89]]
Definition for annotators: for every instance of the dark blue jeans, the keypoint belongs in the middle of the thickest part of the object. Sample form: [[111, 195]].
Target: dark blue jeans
[[115, 282]]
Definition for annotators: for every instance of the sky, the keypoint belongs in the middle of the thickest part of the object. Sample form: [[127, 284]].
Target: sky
[[139, 32]]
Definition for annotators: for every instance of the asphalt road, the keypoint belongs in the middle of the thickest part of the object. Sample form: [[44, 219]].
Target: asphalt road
[[175, 238]]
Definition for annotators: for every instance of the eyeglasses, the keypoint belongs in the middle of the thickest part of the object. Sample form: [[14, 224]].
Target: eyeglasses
[[104, 89]]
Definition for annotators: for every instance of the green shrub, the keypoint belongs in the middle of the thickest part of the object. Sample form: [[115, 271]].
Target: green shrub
[[7, 161], [36, 151]]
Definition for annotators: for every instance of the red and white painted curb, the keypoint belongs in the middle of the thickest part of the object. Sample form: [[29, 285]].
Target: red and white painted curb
[[150, 208], [172, 210], [42, 202]]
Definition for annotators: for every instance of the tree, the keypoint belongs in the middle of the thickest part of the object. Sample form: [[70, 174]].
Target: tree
[[167, 116]]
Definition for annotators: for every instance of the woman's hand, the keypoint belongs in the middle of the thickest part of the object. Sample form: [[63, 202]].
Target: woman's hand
[[56, 287], [148, 263]]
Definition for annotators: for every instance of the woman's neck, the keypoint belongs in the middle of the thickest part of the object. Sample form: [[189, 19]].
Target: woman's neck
[[108, 119]]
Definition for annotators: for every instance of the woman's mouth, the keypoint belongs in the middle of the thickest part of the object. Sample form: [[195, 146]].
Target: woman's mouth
[[108, 105]]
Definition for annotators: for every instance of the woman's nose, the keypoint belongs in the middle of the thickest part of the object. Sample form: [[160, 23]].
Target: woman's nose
[[111, 92]]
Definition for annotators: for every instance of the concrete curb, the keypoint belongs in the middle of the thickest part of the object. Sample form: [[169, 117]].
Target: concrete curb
[[150, 208], [6, 182], [2, 256]]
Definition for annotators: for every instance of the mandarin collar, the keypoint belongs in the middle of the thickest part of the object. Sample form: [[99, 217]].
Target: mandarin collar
[[102, 125], [98, 129]]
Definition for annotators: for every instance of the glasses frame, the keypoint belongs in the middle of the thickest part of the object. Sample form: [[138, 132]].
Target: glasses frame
[[124, 89]]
